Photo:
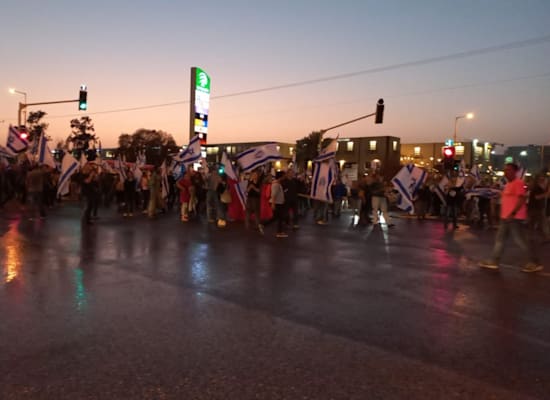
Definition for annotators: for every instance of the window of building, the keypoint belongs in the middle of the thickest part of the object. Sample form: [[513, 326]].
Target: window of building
[[349, 146], [278, 148], [417, 151], [372, 145], [394, 145], [291, 150], [459, 150], [228, 149]]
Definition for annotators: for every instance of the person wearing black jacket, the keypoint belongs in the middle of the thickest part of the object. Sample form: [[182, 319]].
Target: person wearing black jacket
[[291, 187]]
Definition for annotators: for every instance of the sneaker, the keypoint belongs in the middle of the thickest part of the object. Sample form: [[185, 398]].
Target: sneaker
[[532, 267], [321, 222], [488, 264], [295, 226], [125, 214], [281, 235], [261, 229], [391, 225]]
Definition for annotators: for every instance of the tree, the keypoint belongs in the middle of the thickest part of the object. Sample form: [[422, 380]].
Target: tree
[[155, 144], [82, 137], [36, 128], [307, 149]]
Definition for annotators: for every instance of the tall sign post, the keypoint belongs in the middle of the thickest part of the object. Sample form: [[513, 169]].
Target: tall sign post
[[199, 104]]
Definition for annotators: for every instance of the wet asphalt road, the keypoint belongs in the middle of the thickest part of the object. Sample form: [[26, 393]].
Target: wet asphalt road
[[158, 309]]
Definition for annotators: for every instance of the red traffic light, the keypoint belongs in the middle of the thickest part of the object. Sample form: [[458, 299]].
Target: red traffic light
[[24, 135], [449, 151]]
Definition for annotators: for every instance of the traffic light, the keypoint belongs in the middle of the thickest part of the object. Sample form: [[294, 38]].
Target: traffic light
[[449, 157], [221, 169], [83, 99], [379, 112]]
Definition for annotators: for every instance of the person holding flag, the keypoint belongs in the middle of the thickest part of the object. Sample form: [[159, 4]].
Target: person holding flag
[[253, 191]]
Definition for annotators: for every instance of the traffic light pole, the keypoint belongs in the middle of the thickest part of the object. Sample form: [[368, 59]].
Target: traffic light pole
[[23, 106]]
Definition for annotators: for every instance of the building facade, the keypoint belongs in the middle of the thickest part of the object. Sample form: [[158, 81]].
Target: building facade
[[430, 155]]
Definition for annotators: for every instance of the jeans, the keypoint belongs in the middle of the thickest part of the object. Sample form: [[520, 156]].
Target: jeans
[[520, 236]]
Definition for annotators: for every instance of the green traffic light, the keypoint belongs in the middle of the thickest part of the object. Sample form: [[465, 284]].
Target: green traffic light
[[83, 106]]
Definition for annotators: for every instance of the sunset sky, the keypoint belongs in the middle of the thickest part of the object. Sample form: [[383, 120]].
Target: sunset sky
[[134, 54]]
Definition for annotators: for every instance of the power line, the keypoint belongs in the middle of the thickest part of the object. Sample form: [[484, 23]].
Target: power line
[[409, 64]]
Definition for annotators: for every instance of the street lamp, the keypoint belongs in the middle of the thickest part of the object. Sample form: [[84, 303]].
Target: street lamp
[[14, 91], [467, 116]]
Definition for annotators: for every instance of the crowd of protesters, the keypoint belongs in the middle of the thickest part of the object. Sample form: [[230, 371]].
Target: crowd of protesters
[[282, 197]]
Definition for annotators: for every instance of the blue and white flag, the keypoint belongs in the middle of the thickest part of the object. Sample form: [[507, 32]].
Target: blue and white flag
[[328, 152], [240, 187], [461, 178], [485, 192], [4, 152], [407, 182], [439, 189], [321, 182], [228, 167], [474, 171], [254, 157], [192, 153], [521, 173], [83, 159], [15, 143], [69, 166], [44, 153], [165, 184], [120, 168]]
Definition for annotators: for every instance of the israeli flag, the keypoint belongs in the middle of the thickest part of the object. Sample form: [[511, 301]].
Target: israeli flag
[[4, 152], [69, 166], [488, 193], [165, 185], [254, 157], [228, 167], [44, 153], [192, 153], [321, 183], [328, 152], [474, 171], [407, 182], [240, 187], [521, 173], [15, 143]]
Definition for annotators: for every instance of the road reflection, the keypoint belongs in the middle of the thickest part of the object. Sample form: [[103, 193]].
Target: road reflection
[[12, 242]]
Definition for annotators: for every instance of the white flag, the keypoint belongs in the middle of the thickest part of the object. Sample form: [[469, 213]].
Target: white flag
[[256, 156], [328, 152], [69, 165], [407, 182], [474, 171], [321, 183], [165, 184], [192, 153], [16, 144], [228, 167], [44, 153]]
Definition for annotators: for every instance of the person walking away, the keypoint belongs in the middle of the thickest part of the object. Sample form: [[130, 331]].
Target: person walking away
[[90, 189], [339, 192], [154, 192], [129, 194], [278, 204], [253, 191], [34, 183], [452, 198], [145, 192], [379, 201], [184, 185], [291, 188], [513, 214], [538, 197], [223, 200], [212, 198]]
